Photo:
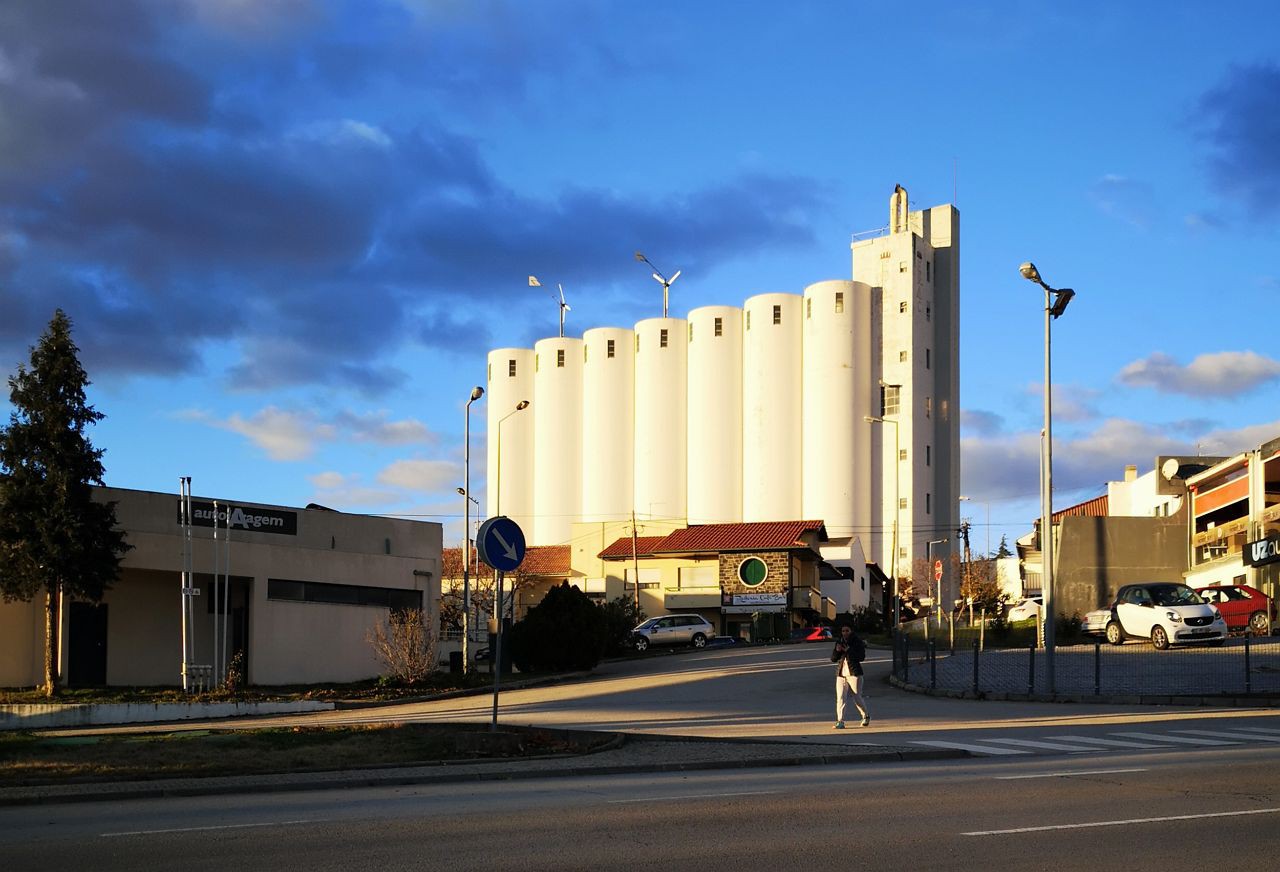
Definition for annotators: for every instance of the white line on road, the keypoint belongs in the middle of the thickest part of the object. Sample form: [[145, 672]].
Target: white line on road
[[1181, 740], [1153, 820], [1067, 774], [1259, 730], [1248, 737], [1052, 746], [979, 749], [1108, 743], [691, 796], [206, 829]]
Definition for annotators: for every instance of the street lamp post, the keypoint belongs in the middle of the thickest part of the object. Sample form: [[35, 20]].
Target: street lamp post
[[476, 393], [1055, 303], [497, 509], [660, 279], [897, 509]]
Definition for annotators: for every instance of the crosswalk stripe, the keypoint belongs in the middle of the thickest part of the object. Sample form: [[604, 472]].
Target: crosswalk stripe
[[976, 749], [1248, 737], [1259, 730], [1106, 743], [1182, 740], [1052, 746]]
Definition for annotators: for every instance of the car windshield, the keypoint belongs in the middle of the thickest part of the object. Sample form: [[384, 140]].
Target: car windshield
[[647, 624], [1175, 595]]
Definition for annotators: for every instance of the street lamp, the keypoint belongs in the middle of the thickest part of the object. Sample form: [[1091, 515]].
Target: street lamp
[[897, 510], [937, 598], [1055, 303], [986, 503], [476, 393], [660, 279], [520, 407]]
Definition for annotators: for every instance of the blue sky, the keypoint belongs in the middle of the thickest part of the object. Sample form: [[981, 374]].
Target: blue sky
[[288, 231]]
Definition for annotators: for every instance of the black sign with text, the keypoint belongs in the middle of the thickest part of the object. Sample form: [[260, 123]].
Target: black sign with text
[[252, 519], [1262, 552]]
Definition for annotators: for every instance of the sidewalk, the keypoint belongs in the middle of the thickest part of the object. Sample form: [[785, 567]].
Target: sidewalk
[[627, 754]]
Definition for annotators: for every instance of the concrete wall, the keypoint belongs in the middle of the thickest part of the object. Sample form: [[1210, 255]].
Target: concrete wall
[[1096, 556], [22, 643]]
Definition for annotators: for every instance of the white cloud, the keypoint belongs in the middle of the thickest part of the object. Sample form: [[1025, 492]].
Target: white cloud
[[283, 435], [1222, 374], [422, 475], [374, 427]]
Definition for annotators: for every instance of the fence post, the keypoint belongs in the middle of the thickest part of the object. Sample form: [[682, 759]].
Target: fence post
[[1097, 669], [982, 628], [952, 620], [1248, 681], [933, 666], [976, 648], [906, 658], [1031, 668]]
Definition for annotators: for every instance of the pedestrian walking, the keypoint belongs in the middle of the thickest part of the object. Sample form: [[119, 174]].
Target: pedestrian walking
[[848, 654]]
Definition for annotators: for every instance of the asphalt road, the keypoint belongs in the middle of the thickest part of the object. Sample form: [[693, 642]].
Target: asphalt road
[[1174, 809]]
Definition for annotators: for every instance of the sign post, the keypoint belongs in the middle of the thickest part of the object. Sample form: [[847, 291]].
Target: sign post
[[500, 544]]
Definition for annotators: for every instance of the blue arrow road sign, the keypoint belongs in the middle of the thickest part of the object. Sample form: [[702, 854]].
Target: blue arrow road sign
[[500, 543]]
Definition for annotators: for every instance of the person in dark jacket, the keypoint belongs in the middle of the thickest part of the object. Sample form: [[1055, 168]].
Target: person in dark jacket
[[848, 654]]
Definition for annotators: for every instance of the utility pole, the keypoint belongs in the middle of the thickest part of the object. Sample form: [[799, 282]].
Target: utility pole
[[635, 560]]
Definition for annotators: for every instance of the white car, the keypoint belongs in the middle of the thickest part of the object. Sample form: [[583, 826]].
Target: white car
[[1166, 613], [1094, 623], [1025, 610]]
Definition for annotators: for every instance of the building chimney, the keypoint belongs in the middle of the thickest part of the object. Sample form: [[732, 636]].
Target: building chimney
[[1131, 473]]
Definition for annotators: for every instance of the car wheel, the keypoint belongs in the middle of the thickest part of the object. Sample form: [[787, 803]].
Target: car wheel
[[1159, 638], [1115, 635], [1258, 623], [642, 644], [699, 640]]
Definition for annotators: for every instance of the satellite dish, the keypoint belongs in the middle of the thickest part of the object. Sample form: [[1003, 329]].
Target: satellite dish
[[1169, 468]]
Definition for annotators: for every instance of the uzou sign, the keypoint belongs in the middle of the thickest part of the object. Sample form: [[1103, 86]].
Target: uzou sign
[[1262, 552], [251, 518]]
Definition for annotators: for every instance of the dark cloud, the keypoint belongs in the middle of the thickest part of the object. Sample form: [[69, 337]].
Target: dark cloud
[[977, 422], [1240, 118]]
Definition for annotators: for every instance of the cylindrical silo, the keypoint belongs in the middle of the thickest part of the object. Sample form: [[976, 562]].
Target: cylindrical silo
[[557, 439], [509, 487], [608, 424], [715, 415], [660, 357], [838, 473], [771, 408]]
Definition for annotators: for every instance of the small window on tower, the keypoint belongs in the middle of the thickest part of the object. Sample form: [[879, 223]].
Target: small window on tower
[[928, 313], [609, 348], [560, 357], [808, 308], [902, 454], [537, 363], [902, 357], [928, 503], [902, 308], [889, 399], [690, 331], [928, 358], [928, 455], [584, 352], [928, 407], [902, 267], [748, 319], [839, 302], [662, 338], [902, 502], [511, 369], [490, 372], [928, 270], [637, 343], [777, 314], [719, 326]]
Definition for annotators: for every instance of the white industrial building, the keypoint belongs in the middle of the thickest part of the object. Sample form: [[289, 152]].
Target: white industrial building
[[756, 413]]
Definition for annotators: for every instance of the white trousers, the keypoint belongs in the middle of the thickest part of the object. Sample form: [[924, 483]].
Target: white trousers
[[849, 687]]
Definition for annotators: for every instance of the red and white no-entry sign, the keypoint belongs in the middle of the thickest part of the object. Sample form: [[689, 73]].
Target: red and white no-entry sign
[[937, 570]]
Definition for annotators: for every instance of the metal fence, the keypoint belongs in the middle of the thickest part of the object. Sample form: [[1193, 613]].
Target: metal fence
[[1242, 666]]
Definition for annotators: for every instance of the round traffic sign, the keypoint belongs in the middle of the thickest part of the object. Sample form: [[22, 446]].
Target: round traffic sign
[[500, 543]]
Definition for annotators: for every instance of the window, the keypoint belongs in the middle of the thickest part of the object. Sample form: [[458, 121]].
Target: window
[[719, 325], [748, 319], [889, 399], [902, 357], [511, 369], [690, 331], [902, 552], [902, 267], [662, 338], [928, 407], [928, 313], [342, 594], [537, 363], [584, 352], [928, 358], [777, 314], [560, 357], [928, 455], [928, 503], [902, 308], [927, 270], [637, 343], [902, 454], [808, 308], [489, 372], [839, 309], [902, 502], [609, 348], [752, 572]]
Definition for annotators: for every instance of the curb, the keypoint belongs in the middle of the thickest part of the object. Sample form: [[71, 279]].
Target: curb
[[1079, 698]]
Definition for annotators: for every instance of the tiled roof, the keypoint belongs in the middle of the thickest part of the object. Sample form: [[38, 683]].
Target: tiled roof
[[547, 560], [622, 547], [1094, 508]]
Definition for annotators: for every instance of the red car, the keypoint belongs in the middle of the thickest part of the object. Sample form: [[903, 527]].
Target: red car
[[1242, 607]]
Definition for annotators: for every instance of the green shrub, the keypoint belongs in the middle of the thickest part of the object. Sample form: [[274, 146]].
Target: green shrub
[[564, 632], [621, 616]]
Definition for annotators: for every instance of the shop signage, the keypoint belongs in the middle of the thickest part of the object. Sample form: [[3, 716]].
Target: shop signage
[[759, 599], [251, 518], [1262, 552]]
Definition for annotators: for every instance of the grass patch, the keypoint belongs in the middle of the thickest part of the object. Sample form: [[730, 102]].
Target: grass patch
[[32, 759]]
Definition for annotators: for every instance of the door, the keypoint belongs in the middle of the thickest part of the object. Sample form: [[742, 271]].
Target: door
[[1137, 612], [87, 645]]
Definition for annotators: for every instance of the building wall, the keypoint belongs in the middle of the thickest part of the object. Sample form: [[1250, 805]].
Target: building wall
[[1094, 557], [557, 439], [608, 425], [514, 474], [772, 407], [661, 432], [715, 416], [22, 643]]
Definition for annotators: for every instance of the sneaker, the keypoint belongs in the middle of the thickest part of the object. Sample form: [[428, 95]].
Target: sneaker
[[839, 725], [866, 722]]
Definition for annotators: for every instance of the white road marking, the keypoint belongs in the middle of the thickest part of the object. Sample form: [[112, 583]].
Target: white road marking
[[1108, 743], [1181, 740], [1122, 823], [1259, 730], [979, 749], [1067, 774], [1248, 737], [1052, 746], [691, 796], [208, 829]]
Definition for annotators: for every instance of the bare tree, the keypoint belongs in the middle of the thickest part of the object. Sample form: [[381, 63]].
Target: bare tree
[[404, 646]]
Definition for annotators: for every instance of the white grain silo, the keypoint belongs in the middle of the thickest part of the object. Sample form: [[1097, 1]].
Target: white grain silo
[[509, 485], [661, 345], [838, 475], [557, 439], [608, 424], [771, 408], [715, 415]]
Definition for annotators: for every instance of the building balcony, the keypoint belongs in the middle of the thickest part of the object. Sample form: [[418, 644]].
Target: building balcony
[[680, 600], [806, 598]]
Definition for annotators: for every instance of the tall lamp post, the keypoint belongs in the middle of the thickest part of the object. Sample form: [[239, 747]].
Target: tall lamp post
[[897, 510], [476, 393], [497, 509], [1055, 303]]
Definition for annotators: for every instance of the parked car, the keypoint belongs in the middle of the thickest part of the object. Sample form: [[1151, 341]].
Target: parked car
[[811, 634], [1241, 606], [1166, 613], [692, 630], [1094, 623], [1025, 610]]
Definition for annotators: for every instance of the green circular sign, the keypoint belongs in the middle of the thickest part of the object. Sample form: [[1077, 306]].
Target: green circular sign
[[752, 572]]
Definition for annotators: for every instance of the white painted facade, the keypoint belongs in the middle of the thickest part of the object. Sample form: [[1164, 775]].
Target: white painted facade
[[772, 396], [510, 383], [557, 438], [714, 414], [661, 447], [608, 424]]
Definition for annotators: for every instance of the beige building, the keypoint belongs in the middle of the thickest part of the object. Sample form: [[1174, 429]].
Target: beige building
[[306, 587]]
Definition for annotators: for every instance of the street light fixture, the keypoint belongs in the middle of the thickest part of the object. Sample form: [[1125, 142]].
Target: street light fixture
[[986, 503], [476, 393], [660, 279], [897, 510], [1055, 303]]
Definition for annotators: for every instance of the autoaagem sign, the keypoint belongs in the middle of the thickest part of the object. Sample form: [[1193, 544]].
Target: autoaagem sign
[[253, 519]]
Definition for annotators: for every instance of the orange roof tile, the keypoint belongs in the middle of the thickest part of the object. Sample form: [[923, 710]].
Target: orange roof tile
[[622, 547], [757, 536], [1094, 508], [547, 560]]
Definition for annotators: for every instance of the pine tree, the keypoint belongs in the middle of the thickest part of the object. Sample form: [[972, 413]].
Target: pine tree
[[54, 537]]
